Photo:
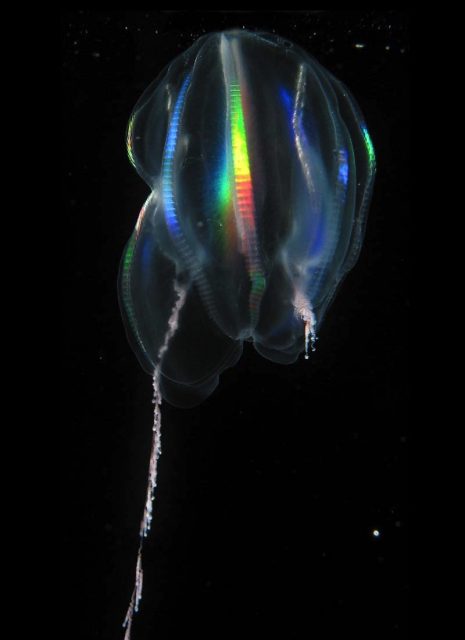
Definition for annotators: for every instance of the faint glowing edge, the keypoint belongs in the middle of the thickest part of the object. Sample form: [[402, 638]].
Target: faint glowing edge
[[129, 143], [126, 277]]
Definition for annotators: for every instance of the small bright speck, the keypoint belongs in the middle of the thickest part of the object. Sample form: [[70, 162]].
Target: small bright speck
[[359, 46], [376, 533]]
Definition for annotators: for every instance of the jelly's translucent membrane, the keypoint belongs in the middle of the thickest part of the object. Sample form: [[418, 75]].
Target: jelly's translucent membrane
[[260, 169]]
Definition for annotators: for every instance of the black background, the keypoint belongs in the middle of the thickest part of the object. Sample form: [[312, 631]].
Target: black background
[[269, 492]]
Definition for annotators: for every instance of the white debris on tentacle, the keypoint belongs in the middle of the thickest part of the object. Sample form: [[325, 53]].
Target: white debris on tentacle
[[146, 521], [303, 310]]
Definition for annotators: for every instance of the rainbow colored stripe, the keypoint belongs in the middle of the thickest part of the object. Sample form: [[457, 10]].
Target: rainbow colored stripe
[[168, 161], [129, 143], [244, 200], [234, 191], [369, 147]]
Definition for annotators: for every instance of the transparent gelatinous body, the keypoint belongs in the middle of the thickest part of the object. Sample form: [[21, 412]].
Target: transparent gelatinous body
[[260, 168]]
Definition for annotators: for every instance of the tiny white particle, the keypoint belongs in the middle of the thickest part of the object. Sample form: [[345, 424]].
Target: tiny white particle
[[376, 533], [359, 46]]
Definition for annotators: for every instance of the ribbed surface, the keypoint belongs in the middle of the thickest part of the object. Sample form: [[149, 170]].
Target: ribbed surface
[[244, 200]]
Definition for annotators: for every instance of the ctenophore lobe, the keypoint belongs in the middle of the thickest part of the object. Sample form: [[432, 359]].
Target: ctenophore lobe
[[260, 169]]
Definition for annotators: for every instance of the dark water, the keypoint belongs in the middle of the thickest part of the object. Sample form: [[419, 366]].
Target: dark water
[[270, 491]]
